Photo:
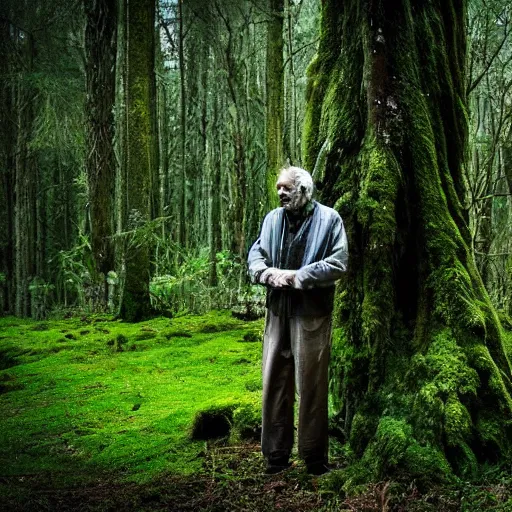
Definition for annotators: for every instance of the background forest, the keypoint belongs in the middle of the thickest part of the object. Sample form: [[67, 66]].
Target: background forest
[[148, 141], [139, 148], [133, 155]]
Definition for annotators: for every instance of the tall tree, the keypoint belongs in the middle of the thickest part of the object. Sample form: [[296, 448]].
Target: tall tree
[[100, 49], [6, 173], [139, 152], [421, 373], [275, 94], [25, 178]]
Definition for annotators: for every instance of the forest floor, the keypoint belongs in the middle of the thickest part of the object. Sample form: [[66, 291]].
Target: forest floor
[[96, 414]]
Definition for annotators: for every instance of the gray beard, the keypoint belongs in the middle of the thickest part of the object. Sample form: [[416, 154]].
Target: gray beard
[[297, 201]]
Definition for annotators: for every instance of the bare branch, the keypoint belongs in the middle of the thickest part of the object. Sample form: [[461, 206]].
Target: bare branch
[[479, 78]]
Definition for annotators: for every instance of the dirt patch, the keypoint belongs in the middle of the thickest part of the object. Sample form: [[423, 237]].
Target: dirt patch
[[251, 337], [212, 424], [231, 479], [220, 327]]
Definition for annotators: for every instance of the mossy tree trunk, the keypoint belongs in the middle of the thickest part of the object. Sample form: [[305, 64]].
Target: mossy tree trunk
[[139, 153], [100, 46], [275, 96], [421, 372]]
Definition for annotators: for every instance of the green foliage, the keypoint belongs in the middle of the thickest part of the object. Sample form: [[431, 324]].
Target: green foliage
[[186, 287], [73, 270], [40, 295]]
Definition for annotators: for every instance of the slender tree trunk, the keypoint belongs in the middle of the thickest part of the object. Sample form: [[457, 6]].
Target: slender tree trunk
[[7, 129], [163, 136], [275, 94], [238, 185], [120, 143], [140, 57], [421, 374], [182, 186], [507, 161], [204, 193], [215, 233], [24, 188], [291, 90], [100, 49]]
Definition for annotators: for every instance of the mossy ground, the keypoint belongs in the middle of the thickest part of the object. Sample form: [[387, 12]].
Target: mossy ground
[[85, 397], [98, 414]]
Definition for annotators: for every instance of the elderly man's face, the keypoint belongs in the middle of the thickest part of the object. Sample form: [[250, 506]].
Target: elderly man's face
[[290, 197]]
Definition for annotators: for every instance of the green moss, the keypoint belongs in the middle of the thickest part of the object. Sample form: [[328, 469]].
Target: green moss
[[84, 411], [416, 335], [394, 453], [363, 429], [441, 378], [427, 463], [247, 421], [457, 422], [489, 429], [311, 142], [392, 438]]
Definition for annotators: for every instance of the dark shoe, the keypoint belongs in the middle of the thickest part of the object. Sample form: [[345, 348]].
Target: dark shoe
[[275, 466], [318, 468]]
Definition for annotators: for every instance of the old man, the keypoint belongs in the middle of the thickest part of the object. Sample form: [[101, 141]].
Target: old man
[[300, 253]]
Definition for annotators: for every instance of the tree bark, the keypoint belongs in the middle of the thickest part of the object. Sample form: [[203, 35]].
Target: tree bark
[[140, 56], [182, 185], [7, 146], [421, 375], [214, 213], [100, 49], [275, 95], [25, 181]]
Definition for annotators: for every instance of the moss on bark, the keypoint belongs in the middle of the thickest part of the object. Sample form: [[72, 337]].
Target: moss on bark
[[275, 97], [421, 375], [139, 154]]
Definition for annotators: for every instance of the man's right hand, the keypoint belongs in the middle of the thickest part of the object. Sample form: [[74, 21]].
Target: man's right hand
[[278, 278]]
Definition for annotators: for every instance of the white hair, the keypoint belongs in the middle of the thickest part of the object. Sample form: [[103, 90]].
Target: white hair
[[302, 180]]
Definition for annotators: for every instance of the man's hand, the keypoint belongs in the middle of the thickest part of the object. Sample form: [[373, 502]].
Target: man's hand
[[267, 274], [278, 278], [285, 279]]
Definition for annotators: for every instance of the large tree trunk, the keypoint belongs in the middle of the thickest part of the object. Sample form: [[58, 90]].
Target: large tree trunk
[[100, 47], [421, 374], [140, 23]]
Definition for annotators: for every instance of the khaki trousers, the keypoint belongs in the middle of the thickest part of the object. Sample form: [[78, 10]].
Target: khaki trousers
[[295, 358]]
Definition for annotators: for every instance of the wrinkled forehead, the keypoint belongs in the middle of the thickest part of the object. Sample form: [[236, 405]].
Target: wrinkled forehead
[[286, 178]]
